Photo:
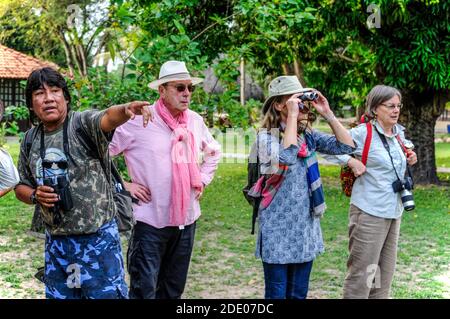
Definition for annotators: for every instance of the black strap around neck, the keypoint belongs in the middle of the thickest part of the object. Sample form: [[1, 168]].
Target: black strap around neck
[[386, 146]]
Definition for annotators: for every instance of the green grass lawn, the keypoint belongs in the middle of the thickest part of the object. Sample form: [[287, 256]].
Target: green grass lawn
[[442, 154], [223, 263]]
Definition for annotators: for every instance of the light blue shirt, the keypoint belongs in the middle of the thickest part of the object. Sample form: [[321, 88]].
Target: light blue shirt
[[8, 172], [372, 191]]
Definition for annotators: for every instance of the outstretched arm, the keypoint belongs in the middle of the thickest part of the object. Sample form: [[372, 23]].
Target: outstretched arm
[[323, 108], [116, 115]]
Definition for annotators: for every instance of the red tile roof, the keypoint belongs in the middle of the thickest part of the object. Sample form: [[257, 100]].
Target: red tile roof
[[16, 65]]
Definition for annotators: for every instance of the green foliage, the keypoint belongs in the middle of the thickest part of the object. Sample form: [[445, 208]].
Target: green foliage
[[17, 112], [2, 134], [67, 32], [21, 28], [223, 264], [13, 115], [101, 90], [413, 44], [273, 33], [442, 154]]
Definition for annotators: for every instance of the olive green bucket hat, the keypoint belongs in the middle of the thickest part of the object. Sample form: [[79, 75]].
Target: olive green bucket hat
[[283, 85]]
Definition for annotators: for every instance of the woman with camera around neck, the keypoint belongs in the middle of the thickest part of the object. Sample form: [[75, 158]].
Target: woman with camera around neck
[[376, 203], [289, 236]]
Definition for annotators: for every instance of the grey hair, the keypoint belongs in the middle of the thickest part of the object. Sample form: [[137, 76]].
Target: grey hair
[[378, 95]]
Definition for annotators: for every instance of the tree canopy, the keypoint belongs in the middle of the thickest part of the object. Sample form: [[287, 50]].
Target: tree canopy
[[329, 45]]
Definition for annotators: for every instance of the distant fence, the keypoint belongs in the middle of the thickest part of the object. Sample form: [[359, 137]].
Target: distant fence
[[445, 116]]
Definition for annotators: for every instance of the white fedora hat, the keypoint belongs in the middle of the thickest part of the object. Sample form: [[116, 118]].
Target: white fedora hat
[[283, 85], [173, 71]]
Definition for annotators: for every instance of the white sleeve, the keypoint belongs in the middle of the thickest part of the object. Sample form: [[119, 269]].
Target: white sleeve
[[9, 176]]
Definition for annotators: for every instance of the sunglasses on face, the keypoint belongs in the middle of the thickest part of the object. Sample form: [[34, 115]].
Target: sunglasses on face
[[54, 165], [182, 87]]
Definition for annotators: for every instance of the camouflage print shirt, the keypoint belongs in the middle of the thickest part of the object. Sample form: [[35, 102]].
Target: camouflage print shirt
[[93, 203]]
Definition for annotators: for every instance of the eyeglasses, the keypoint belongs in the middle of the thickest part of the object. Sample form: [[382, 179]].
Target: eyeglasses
[[182, 87], [393, 106]]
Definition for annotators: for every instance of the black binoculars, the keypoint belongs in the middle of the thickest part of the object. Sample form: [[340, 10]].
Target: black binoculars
[[309, 96], [61, 186]]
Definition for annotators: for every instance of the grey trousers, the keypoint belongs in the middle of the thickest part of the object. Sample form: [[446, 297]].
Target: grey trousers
[[373, 255]]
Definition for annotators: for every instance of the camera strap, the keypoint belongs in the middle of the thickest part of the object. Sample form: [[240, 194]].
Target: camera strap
[[386, 146]]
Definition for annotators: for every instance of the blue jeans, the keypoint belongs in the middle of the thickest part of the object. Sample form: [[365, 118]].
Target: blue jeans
[[289, 281]]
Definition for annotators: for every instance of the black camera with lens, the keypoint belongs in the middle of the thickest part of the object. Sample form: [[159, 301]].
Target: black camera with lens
[[309, 96], [404, 188], [399, 185], [61, 186]]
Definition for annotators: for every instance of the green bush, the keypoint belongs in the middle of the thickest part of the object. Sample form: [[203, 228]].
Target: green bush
[[13, 114]]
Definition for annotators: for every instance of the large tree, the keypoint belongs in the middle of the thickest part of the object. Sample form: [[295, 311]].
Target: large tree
[[338, 52], [16, 25], [412, 51], [79, 29]]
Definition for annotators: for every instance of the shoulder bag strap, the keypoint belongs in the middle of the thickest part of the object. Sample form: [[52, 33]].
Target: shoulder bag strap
[[367, 143]]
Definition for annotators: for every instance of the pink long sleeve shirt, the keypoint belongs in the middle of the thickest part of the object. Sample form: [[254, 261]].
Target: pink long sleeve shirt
[[147, 153]]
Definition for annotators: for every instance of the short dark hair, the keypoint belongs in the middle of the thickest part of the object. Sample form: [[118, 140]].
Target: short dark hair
[[36, 81]]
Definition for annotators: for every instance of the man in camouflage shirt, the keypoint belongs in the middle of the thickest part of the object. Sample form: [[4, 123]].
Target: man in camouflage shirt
[[83, 257]]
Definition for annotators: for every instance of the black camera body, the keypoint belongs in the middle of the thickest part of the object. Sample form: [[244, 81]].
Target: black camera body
[[399, 185], [61, 186], [404, 188], [309, 96]]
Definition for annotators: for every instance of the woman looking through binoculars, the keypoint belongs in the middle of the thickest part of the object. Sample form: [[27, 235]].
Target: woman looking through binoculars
[[292, 200]]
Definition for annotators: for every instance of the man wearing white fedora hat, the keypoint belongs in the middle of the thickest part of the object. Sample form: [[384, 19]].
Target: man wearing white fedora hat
[[162, 161]]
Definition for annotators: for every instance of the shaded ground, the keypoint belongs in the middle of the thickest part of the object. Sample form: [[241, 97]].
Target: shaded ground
[[223, 263]]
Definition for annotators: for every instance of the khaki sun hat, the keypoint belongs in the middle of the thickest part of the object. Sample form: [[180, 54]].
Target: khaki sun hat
[[283, 85], [173, 71]]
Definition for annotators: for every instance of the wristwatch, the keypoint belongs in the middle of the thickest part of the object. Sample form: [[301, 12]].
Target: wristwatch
[[33, 197]]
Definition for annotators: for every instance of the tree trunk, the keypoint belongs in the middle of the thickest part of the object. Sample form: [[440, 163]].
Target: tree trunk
[[285, 68], [68, 56], [299, 72], [419, 117], [242, 81], [82, 57], [75, 58]]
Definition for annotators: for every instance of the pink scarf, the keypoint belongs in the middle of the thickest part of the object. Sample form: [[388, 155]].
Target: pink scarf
[[185, 171]]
